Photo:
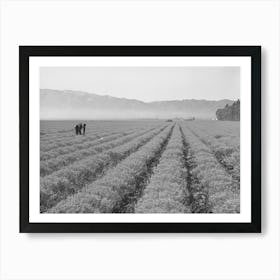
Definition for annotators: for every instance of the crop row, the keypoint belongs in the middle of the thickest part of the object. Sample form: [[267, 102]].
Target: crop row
[[46, 147], [80, 146], [217, 135], [71, 179], [167, 190], [89, 132], [214, 188], [226, 150], [45, 133], [91, 129], [60, 138], [228, 138], [45, 137], [106, 194], [213, 128], [49, 166], [91, 135]]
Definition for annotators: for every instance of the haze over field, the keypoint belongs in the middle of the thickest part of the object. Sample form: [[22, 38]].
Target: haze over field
[[136, 92], [81, 105]]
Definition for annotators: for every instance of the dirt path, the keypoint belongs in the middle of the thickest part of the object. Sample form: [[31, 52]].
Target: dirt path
[[198, 199]]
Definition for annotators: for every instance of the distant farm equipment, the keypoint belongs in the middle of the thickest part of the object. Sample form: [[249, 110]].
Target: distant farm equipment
[[190, 119]]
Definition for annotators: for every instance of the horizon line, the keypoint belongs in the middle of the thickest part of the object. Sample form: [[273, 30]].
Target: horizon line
[[107, 95]]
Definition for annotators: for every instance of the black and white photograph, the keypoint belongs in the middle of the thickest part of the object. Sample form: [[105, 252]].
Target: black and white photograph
[[141, 138]]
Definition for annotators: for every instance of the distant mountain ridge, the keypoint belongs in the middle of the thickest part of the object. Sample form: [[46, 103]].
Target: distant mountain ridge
[[69, 104]]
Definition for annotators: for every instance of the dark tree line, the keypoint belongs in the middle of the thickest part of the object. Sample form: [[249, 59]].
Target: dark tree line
[[230, 112]]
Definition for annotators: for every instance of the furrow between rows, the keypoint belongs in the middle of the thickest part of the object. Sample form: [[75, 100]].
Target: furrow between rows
[[167, 190], [88, 142], [68, 181], [52, 165], [198, 198], [105, 194], [213, 189], [226, 156], [75, 140]]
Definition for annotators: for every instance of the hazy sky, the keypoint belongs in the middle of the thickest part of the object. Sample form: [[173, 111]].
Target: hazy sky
[[146, 83]]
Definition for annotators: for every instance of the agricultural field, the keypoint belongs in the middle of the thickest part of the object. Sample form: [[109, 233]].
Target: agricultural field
[[140, 166]]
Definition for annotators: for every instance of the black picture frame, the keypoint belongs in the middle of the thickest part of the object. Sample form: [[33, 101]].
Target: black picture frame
[[25, 52]]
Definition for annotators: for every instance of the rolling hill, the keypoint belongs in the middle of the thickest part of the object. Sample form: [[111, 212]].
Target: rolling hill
[[67, 104]]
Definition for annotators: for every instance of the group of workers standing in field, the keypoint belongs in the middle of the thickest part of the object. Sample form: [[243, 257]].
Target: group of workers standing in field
[[80, 129]]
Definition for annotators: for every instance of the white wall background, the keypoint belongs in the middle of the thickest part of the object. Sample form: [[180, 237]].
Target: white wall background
[[139, 256]]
